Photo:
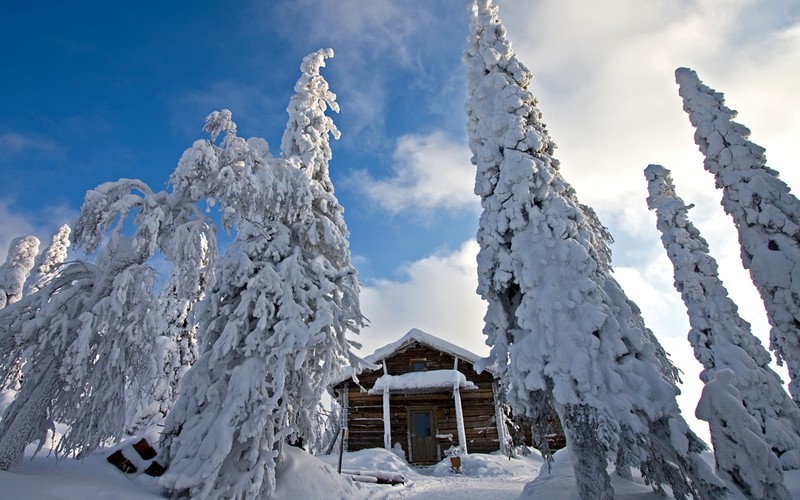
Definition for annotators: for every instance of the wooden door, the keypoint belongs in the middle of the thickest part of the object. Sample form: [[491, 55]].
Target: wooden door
[[423, 436]]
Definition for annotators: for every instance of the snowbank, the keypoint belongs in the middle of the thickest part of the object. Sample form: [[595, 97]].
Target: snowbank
[[370, 459], [43, 478], [301, 475], [494, 465]]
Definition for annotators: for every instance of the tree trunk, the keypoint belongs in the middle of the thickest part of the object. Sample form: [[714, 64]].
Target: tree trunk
[[588, 456], [26, 417]]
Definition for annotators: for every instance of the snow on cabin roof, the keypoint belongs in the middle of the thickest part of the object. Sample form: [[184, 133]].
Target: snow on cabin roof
[[417, 381], [424, 338], [373, 361]]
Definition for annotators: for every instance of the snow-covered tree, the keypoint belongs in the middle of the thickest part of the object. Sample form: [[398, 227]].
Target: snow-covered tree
[[742, 455], [48, 262], [174, 224], [562, 331], [19, 262], [272, 329], [306, 140], [766, 214], [176, 348], [722, 339], [46, 266], [81, 338]]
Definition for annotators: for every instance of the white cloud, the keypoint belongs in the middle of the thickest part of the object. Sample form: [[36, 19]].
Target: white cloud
[[429, 172], [604, 74], [381, 28], [13, 145], [437, 295]]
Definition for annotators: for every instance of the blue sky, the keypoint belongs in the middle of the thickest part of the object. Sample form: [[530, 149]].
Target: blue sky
[[95, 91], [102, 92]]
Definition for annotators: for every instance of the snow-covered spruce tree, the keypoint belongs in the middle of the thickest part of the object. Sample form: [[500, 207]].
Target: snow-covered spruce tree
[[560, 327], [272, 329], [81, 339], [186, 237], [13, 273], [721, 339], [766, 214], [84, 337], [741, 454], [175, 350], [41, 269], [306, 140], [48, 262]]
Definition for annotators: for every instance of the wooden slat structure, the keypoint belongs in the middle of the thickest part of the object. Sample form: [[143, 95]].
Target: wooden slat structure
[[423, 420]]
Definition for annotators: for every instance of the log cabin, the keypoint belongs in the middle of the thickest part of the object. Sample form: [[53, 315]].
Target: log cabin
[[423, 395]]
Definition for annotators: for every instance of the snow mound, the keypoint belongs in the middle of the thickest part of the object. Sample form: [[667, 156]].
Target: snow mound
[[301, 475], [369, 459], [495, 465], [44, 478]]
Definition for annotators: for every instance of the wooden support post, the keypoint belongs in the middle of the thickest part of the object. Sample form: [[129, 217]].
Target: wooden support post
[[342, 447], [345, 417], [462, 435], [462, 438], [387, 424]]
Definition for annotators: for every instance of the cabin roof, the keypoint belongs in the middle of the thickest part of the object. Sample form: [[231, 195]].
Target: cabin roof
[[417, 335], [373, 361]]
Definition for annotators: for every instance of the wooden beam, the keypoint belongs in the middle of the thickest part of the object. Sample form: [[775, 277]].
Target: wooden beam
[[345, 417], [387, 422]]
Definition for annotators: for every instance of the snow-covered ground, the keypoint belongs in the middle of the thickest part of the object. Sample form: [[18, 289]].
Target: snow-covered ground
[[493, 477]]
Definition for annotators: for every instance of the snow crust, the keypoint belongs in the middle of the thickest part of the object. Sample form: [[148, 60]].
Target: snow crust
[[433, 379], [484, 476]]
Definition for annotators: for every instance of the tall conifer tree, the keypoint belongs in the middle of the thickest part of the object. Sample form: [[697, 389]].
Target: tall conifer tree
[[49, 262], [561, 329], [766, 214], [721, 339], [272, 330]]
